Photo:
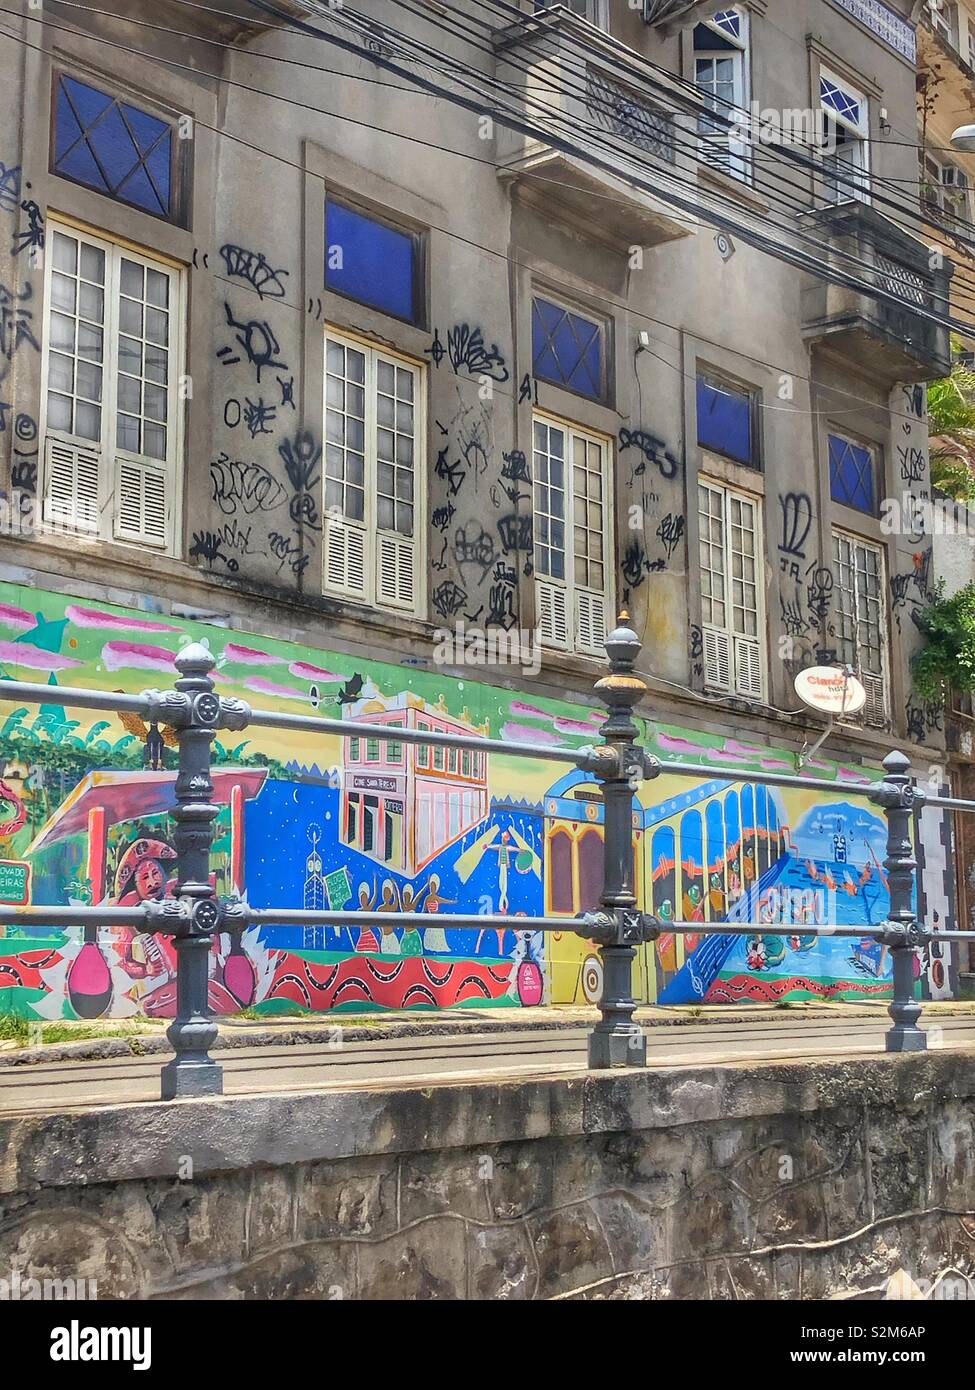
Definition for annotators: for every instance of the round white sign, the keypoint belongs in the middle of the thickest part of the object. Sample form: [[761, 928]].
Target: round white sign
[[829, 690]]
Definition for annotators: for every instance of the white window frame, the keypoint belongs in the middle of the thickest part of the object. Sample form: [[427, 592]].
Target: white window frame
[[595, 11], [942, 17], [377, 547], [735, 661], [876, 712], [720, 148], [573, 617], [946, 191], [59, 449], [856, 186]]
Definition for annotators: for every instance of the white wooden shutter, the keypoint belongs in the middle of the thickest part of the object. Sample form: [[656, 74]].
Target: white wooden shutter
[[875, 710], [590, 621], [142, 503], [396, 572], [71, 486], [553, 615], [344, 557], [717, 658], [748, 667]]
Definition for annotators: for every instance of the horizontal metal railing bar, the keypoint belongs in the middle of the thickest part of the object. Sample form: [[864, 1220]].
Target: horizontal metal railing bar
[[142, 916], [74, 916], [314, 724], [282, 916], [949, 803], [775, 779], [73, 695]]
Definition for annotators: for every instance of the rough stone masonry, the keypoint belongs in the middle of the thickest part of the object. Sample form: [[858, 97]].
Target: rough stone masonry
[[798, 1180]]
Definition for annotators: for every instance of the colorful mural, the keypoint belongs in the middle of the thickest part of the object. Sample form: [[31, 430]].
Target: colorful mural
[[391, 827]]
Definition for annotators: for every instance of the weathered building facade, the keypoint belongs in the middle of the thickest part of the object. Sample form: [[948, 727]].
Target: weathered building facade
[[363, 338]]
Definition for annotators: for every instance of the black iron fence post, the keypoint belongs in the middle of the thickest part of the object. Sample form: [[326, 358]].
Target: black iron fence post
[[192, 1072], [899, 797], [616, 1040]]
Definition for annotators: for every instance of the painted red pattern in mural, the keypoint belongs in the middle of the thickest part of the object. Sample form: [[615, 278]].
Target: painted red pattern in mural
[[765, 991], [400, 984]]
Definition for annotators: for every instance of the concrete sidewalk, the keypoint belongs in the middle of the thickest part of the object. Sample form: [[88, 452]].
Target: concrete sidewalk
[[143, 1037]]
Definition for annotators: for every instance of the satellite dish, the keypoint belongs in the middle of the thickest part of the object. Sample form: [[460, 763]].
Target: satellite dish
[[831, 690]]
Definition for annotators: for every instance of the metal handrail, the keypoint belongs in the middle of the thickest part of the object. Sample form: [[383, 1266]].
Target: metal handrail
[[193, 914]]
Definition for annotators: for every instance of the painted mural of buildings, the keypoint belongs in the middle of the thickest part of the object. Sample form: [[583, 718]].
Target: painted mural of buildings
[[403, 803]]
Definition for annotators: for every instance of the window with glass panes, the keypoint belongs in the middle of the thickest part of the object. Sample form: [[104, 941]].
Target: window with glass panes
[[110, 371], [860, 617], [846, 132], [720, 72], [570, 535], [373, 453], [732, 622]]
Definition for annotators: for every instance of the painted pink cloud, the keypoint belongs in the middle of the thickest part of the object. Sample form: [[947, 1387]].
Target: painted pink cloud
[[529, 711], [22, 654], [137, 656], [574, 726], [743, 750], [250, 656], [280, 692], [95, 617], [671, 744], [524, 733], [775, 765], [847, 774], [306, 672], [16, 617]]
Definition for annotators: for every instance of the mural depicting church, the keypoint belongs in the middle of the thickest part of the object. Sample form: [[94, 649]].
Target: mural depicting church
[[391, 827]]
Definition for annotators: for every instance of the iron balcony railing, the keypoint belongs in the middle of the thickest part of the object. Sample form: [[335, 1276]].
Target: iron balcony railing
[[193, 913]]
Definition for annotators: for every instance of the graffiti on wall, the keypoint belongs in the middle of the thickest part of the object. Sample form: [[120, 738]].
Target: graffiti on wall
[[371, 822]]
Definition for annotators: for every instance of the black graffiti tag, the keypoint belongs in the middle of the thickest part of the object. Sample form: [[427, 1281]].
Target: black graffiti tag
[[253, 268], [246, 487]]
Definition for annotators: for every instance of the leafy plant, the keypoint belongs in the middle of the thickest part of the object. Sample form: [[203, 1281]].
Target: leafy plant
[[947, 662], [951, 424]]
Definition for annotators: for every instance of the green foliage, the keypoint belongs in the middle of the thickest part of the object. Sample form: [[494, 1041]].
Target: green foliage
[[951, 423], [948, 660]]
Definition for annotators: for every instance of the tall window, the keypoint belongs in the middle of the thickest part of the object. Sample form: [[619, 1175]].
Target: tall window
[[721, 72], [943, 18], [110, 369], [571, 526], [945, 192], [861, 618], [732, 617], [846, 136], [373, 463]]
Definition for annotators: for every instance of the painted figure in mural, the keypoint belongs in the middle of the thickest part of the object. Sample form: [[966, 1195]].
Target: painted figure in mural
[[435, 938], [142, 875], [368, 941], [412, 942], [389, 944], [13, 812]]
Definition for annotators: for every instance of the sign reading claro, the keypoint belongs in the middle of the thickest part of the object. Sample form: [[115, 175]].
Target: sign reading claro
[[830, 689]]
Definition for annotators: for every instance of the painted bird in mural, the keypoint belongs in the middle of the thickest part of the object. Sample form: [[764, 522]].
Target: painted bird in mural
[[351, 691], [155, 739]]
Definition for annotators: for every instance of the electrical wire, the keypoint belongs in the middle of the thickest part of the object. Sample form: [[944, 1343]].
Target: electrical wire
[[611, 304]]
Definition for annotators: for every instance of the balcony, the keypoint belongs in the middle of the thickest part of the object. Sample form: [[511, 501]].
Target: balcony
[[889, 341], [227, 21], [566, 74]]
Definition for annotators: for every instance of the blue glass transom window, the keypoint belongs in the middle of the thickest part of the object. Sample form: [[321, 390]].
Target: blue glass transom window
[[726, 420], [852, 475], [370, 261], [567, 349], [113, 147]]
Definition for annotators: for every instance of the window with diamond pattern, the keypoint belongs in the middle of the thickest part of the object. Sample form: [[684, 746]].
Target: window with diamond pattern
[[118, 149], [852, 480], [567, 349]]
